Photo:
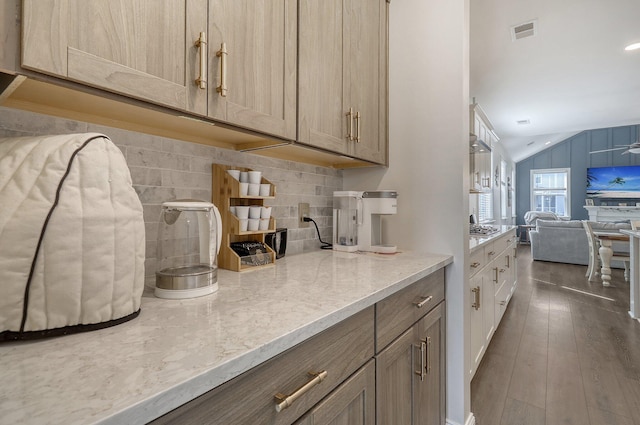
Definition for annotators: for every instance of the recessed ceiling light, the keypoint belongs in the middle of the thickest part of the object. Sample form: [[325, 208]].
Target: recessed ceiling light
[[547, 143], [633, 46]]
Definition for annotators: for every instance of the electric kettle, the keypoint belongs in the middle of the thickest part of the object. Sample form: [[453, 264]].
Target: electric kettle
[[189, 236]]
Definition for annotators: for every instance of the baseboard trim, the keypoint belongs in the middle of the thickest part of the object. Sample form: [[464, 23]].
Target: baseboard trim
[[471, 420]]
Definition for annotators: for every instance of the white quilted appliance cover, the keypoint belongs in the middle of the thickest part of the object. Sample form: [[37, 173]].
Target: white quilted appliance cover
[[71, 236]]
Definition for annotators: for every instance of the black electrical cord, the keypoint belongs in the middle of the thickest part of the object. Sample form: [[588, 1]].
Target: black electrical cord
[[323, 244]]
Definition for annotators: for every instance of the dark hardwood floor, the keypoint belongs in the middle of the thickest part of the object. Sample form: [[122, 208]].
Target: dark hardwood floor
[[561, 356]]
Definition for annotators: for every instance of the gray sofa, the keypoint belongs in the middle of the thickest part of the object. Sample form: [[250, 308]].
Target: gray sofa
[[566, 241]]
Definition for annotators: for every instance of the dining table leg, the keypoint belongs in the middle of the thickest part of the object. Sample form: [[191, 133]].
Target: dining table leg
[[606, 252]]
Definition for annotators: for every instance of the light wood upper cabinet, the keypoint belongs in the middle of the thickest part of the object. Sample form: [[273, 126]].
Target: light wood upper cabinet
[[140, 48], [343, 77], [368, 76], [258, 70]]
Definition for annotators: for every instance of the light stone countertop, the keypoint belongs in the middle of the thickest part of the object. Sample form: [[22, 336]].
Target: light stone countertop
[[475, 242], [177, 350]]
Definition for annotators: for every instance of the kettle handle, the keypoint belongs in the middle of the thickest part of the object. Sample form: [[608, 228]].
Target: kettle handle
[[216, 214]]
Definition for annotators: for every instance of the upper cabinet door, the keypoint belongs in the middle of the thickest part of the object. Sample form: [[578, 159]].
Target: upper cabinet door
[[343, 77], [368, 76], [323, 119], [141, 48], [252, 64]]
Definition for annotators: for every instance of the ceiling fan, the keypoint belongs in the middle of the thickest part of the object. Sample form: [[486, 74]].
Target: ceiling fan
[[632, 148]]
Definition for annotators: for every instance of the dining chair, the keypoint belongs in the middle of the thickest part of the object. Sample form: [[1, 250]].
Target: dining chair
[[593, 269]]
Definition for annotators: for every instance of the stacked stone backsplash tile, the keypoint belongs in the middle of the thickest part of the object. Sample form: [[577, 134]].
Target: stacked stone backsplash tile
[[164, 169]]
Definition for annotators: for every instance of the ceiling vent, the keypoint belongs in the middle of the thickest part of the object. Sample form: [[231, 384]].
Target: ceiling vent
[[528, 29], [523, 122]]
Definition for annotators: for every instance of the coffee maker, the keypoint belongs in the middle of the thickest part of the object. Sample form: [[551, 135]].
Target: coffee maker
[[375, 204], [357, 221]]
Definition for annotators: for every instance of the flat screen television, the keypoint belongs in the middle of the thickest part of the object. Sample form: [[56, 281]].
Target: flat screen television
[[614, 182]]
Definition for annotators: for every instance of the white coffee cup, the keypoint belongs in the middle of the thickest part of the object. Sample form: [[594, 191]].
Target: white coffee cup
[[265, 189], [242, 212], [244, 224], [255, 211], [265, 212], [244, 177], [255, 177], [254, 224], [264, 224], [234, 173], [254, 189], [244, 189]]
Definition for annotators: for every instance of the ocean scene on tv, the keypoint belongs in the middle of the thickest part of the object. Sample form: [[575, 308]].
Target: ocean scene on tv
[[614, 182]]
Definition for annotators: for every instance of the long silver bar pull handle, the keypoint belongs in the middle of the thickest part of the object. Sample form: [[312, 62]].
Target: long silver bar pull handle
[[222, 54], [357, 127], [424, 301], [423, 353], [283, 401], [476, 298], [201, 44]]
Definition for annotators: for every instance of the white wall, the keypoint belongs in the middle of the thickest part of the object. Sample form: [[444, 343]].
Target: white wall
[[428, 154]]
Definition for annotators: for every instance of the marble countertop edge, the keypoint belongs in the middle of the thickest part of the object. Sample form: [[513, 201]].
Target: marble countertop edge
[[184, 392]]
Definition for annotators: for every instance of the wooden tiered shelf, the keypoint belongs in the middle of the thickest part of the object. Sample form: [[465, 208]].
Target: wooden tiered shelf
[[226, 193]]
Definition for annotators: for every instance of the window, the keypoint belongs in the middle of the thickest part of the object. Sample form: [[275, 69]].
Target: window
[[485, 207], [503, 188], [550, 191]]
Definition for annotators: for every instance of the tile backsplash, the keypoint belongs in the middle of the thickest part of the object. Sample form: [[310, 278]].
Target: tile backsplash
[[164, 169]]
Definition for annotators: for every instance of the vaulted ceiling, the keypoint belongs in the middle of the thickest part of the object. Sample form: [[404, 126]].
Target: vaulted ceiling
[[572, 75]]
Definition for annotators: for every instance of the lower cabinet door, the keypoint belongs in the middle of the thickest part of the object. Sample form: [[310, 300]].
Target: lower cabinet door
[[352, 403], [429, 406], [411, 376]]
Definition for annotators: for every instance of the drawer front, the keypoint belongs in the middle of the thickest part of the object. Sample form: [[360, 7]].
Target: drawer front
[[398, 312], [490, 252], [504, 242], [477, 261], [250, 398]]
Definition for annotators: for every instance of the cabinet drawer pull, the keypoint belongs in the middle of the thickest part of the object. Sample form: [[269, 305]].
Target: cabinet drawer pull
[[508, 261], [490, 253], [350, 125], [502, 303], [476, 297], [357, 138], [495, 280], [201, 44], [475, 264], [283, 401], [222, 54], [423, 354], [422, 303]]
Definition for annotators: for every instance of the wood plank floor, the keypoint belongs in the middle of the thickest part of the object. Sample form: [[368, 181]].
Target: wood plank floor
[[561, 356]]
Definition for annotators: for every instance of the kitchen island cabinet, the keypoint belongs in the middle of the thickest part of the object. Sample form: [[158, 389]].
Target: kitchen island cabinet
[[179, 350]]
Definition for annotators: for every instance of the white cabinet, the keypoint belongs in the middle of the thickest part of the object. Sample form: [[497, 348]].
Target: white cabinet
[[482, 140], [493, 280]]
